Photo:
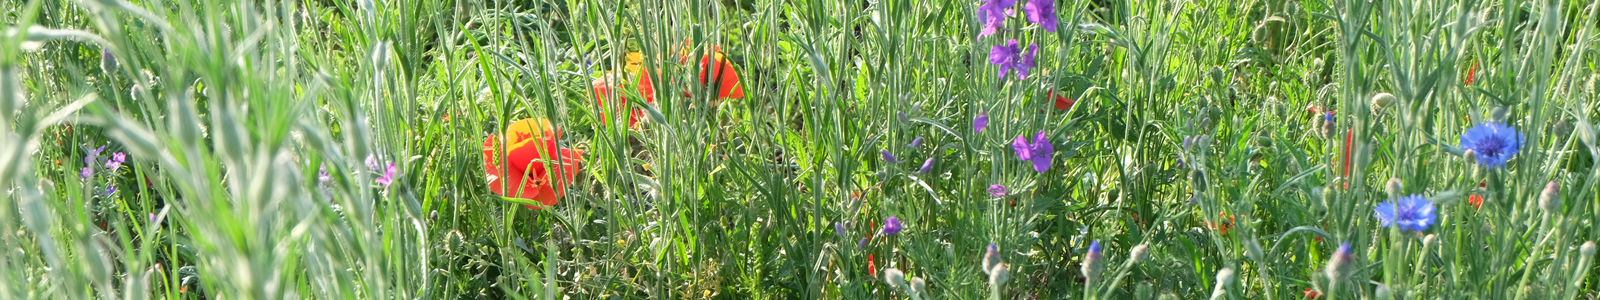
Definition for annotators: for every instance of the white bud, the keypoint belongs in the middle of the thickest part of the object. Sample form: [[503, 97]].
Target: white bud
[[894, 277], [1382, 101], [1139, 253], [1381, 292], [919, 287], [1550, 199], [1429, 241], [1588, 249], [999, 274], [1394, 188], [1224, 277]]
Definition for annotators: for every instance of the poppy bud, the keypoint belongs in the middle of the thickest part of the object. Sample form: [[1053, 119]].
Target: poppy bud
[[1382, 101], [991, 258], [1550, 199], [919, 287], [999, 274], [108, 61], [1139, 253], [1394, 188], [1429, 241], [1471, 156], [1381, 292], [1588, 249]]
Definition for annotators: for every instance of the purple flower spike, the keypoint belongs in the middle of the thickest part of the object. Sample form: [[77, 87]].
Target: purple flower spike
[[926, 166], [992, 14], [980, 122], [1042, 12], [891, 226], [889, 157], [1038, 152], [997, 190]]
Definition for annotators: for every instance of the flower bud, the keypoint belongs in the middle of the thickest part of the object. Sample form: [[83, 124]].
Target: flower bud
[[919, 287], [1339, 262], [1394, 188], [1382, 101], [999, 274], [894, 277], [1093, 262], [108, 61], [1550, 199], [1429, 241], [1470, 156], [1139, 254], [1381, 292], [991, 258], [1588, 249]]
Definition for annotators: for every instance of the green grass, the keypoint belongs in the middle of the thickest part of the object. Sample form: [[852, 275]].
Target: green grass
[[1193, 134]]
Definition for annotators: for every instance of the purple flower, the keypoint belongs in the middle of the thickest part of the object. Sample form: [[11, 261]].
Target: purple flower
[[992, 14], [388, 176], [926, 165], [87, 171], [152, 217], [372, 163], [915, 142], [1328, 117], [1038, 152], [116, 161], [93, 155], [1492, 143], [891, 226], [110, 189], [862, 243], [1010, 56], [838, 228], [1412, 213], [1042, 12], [889, 157], [997, 190], [980, 122], [322, 173], [1094, 248]]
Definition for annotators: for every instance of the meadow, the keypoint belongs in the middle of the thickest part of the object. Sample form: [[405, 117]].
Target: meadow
[[799, 149]]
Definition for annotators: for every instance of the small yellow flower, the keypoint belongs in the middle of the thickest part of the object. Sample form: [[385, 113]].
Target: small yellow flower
[[635, 61]]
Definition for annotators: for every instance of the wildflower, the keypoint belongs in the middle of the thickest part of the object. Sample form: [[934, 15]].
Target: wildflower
[[891, 226], [1394, 187], [110, 189], [1093, 262], [1062, 102], [991, 258], [1010, 56], [1412, 213], [1139, 253], [992, 13], [1311, 294], [1587, 249], [997, 190], [980, 122], [1042, 12], [926, 166], [93, 156], [603, 88], [388, 176], [87, 171], [872, 268], [1550, 198], [322, 174], [530, 144], [1475, 199], [999, 274], [889, 157], [1038, 152], [918, 287], [862, 243], [1470, 72], [727, 78], [116, 161], [1221, 226], [915, 142], [838, 228], [108, 61], [634, 62], [1492, 143], [372, 163], [152, 217]]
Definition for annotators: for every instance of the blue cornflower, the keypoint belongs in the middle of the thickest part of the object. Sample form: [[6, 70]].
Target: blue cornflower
[[980, 122], [992, 14], [997, 190], [1038, 152], [1042, 12], [1010, 56], [889, 157], [926, 166], [891, 226], [1492, 143], [1411, 213]]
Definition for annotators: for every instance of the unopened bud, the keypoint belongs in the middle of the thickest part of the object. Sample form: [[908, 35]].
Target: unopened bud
[[108, 61], [919, 287], [1339, 262], [1382, 101], [894, 277], [1381, 292], [1588, 249], [999, 274], [1394, 188], [991, 258], [1093, 262], [1429, 241], [1470, 156], [1550, 199], [1139, 253]]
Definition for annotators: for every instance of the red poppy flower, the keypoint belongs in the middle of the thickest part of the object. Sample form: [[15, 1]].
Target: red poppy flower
[[530, 143], [721, 69], [1312, 294], [1470, 72], [1062, 102], [872, 268], [602, 90], [1475, 199], [1221, 226]]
